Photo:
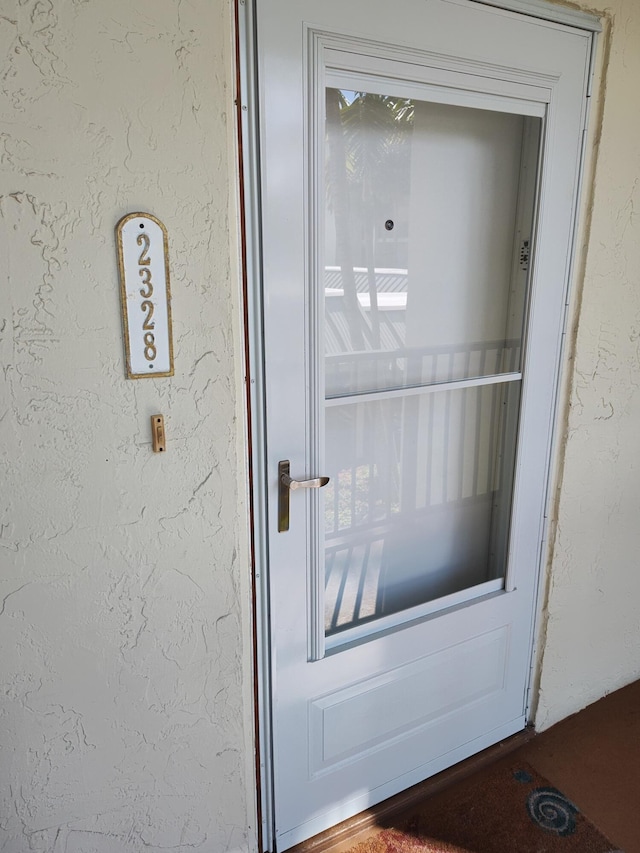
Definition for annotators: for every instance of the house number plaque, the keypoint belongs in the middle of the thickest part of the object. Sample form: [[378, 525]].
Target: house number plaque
[[143, 261]]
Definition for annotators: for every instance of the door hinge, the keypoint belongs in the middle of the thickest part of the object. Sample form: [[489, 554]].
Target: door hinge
[[524, 255]]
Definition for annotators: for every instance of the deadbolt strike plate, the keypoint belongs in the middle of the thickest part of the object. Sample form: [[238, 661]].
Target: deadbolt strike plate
[[157, 433]]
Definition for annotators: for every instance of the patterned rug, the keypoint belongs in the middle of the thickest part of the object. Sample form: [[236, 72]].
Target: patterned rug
[[506, 809]]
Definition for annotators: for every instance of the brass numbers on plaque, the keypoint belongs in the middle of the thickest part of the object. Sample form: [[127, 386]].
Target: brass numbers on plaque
[[147, 307], [144, 262], [149, 346], [145, 275]]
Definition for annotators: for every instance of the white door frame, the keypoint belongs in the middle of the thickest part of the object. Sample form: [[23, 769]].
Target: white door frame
[[248, 122]]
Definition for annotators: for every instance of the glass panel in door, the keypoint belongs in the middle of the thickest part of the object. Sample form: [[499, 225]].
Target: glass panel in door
[[427, 231]]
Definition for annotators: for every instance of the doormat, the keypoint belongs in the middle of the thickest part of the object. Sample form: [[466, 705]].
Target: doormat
[[508, 808]]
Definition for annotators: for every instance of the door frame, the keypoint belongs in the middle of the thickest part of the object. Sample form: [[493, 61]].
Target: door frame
[[248, 125]]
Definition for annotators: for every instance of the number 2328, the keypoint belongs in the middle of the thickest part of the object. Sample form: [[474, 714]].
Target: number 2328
[[146, 291]]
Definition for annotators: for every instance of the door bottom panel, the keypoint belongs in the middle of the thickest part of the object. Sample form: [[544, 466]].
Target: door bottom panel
[[367, 799], [356, 721]]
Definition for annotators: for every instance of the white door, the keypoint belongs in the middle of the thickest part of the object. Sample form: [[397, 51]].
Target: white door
[[419, 168]]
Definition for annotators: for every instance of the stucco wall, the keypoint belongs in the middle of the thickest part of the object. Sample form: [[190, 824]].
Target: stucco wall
[[592, 627], [124, 716]]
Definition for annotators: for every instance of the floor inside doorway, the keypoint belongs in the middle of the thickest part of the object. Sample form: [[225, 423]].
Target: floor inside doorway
[[593, 757]]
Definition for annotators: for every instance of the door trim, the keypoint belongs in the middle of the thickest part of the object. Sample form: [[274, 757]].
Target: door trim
[[251, 250], [544, 10], [249, 181]]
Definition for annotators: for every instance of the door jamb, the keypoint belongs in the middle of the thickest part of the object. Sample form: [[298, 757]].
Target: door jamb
[[249, 193]]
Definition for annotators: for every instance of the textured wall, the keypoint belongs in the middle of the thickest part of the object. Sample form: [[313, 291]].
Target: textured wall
[[124, 714], [593, 628]]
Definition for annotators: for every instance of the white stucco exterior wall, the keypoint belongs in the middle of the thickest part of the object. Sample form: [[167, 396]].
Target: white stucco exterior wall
[[125, 710], [591, 627]]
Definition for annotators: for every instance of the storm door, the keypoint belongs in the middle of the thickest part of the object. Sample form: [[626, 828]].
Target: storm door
[[419, 166]]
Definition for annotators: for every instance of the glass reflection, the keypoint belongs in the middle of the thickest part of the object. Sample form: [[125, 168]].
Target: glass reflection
[[422, 288]]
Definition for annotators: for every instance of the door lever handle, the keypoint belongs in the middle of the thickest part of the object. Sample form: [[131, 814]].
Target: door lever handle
[[287, 484], [315, 483]]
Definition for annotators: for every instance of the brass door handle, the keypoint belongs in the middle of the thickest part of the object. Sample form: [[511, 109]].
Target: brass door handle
[[287, 484]]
